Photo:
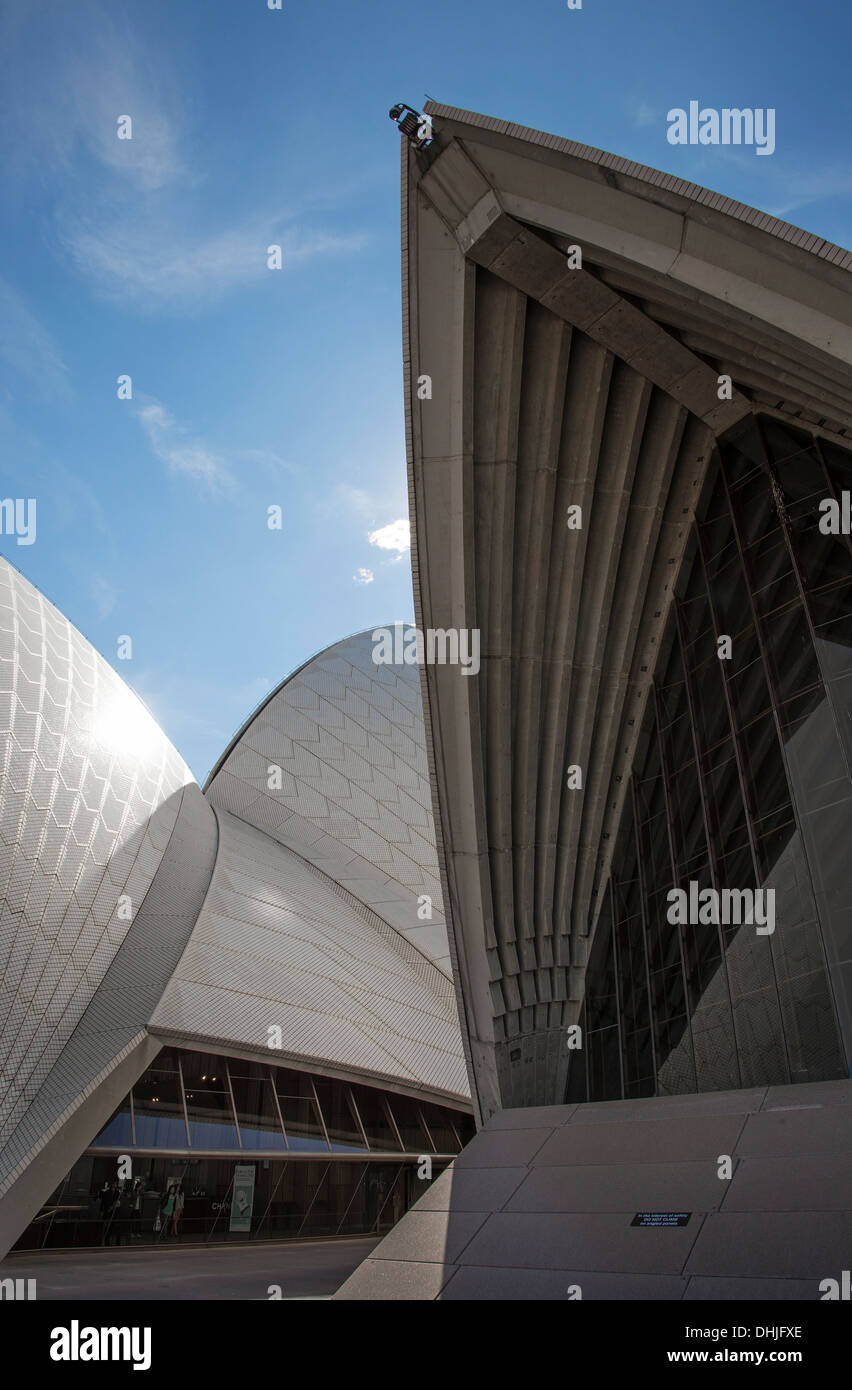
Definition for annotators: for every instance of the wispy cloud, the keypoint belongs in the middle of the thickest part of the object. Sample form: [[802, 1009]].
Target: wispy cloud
[[780, 185], [363, 576], [810, 186], [104, 595], [267, 460], [356, 500], [172, 444], [106, 72], [127, 212], [155, 263], [27, 347]]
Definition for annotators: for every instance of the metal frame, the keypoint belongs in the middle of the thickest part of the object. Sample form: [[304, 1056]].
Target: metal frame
[[643, 914], [665, 775], [735, 730], [688, 677]]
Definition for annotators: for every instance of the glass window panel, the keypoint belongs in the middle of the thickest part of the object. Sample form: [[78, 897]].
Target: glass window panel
[[442, 1131], [159, 1111], [763, 766], [343, 1131], [755, 511], [747, 690], [663, 948], [742, 453], [211, 1124], [708, 695], [717, 533], [773, 834], [407, 1122], [787, 443], [771, 574], [117, 1130], [792, 712], [257, 1113], [675, 1062], [604, 1064], [298, 1110], [374, 1119], [839, 464], [823, 558], [208, 1102]]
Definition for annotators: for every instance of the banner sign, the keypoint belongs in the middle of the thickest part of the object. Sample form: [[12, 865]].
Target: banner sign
[[243, 1198]]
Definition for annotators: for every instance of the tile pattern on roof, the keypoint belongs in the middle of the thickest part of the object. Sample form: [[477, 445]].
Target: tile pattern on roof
[[279, 944], [355, 798], [84, 819]]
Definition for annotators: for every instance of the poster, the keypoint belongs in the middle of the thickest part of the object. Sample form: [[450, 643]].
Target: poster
[[243, 1198]]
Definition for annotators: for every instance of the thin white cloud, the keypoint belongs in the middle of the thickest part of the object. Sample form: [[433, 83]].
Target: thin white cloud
[[156, 264], [356, 500], [777, 185], [103, 594], [124, 209], [91, 71], [181, 454], [265, 459], [363, 576], [811, 186], [395, 536], [27, 347]]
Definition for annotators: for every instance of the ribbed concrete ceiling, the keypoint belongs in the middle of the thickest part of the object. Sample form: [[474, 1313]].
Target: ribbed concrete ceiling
[[553, 388]]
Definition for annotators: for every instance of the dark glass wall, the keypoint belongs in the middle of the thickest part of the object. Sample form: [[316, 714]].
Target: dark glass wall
[[289, 1198], [203, 1101], [741, 781], [197, 1120]]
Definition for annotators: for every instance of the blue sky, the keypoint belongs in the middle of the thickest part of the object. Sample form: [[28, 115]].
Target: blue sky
[[252, 387]]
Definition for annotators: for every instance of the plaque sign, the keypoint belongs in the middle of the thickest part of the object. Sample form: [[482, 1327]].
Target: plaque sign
[[661, 1218]]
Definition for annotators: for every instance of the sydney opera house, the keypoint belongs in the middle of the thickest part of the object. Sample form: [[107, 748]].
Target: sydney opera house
[[590, 898], [195, 981]]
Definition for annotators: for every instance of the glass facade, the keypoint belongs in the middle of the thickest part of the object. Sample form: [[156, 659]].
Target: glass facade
[[207, 1123], [741, 781]]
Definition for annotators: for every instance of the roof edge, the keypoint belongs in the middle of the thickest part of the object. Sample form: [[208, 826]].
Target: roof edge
[[657, 178]]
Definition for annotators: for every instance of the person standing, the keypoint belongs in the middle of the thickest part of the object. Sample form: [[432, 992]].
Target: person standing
[[178, 1211], [136, 1211], [104, 1203], [111, 1200], [167, 1207]]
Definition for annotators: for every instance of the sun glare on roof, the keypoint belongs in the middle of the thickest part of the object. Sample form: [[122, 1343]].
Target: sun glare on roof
[[123, 725]]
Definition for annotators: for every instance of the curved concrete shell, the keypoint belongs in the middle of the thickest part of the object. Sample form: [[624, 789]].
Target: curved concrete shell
[[570, 324], [279, 945], [133, 913], [106, 849], [351, 795]]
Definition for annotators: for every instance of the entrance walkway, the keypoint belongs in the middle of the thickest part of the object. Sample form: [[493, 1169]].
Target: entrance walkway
[[302, 1269]]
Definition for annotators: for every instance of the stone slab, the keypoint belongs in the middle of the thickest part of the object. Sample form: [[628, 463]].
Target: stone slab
[[600, 1242], [621, 1187], [643, 1141]]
